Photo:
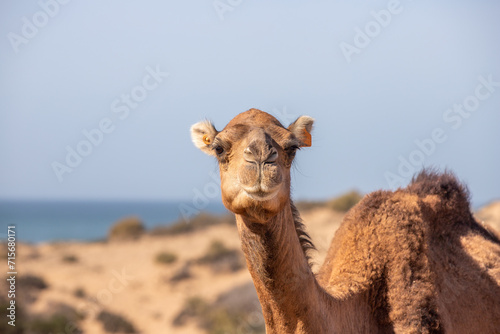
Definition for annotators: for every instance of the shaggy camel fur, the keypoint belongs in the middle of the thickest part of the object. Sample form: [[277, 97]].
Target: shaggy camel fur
[[409, 261]]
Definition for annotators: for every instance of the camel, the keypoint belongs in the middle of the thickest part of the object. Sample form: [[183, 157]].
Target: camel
[[413, 260]]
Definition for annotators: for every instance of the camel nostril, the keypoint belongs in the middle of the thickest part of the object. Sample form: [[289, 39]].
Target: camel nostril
[[273, 156], [260, 156], [248, 155]]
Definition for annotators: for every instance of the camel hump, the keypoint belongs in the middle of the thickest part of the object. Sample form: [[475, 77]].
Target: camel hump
[[445, 185], [444, 203], [450, 191]]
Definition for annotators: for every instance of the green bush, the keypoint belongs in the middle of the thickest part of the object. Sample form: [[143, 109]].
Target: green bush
[[129, 228], [345, 202], [61, 319], [166, 258], [57, 323], [114, 323]]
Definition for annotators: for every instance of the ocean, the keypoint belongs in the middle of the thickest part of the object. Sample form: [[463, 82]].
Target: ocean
[[45, 221]]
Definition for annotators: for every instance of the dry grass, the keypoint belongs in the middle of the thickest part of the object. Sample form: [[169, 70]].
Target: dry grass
[[31, 282], [345, 202], [182, 274], [114, 323], [61, 318], [69, 258], [342, 203], [79, 293], [129, 228], [166, 258], [221, 259], [56, 323], [235, 311]]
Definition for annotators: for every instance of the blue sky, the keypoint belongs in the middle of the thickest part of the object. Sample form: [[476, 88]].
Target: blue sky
[[393, 85]]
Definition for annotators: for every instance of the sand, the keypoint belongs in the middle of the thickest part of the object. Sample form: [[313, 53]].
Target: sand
[[124, 278]]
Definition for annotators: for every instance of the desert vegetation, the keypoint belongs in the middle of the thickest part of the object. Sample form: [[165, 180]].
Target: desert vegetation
[[235, 311], [166, 257], [61, 318], [342, 203], [129, 228], [220, 258], [114, 323], [69, 258]]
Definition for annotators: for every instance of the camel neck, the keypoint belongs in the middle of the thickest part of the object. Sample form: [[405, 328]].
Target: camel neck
[[286, 286]]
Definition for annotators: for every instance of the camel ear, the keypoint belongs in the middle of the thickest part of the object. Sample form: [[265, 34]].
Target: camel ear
[[301, 128], [203, 134]]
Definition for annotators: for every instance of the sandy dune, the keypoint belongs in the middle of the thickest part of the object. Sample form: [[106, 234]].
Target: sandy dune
[[124, 278]]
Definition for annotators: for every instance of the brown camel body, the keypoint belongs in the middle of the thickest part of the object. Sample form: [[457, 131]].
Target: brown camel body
[[409, 261]]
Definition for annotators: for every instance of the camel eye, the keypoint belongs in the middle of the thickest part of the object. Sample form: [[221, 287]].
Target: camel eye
[[291, 149], [219, 150]]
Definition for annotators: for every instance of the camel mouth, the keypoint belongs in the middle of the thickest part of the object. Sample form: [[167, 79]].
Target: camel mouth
[[260, 195]]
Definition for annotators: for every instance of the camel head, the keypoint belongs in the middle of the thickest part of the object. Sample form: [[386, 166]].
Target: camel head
[[255, 153]]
